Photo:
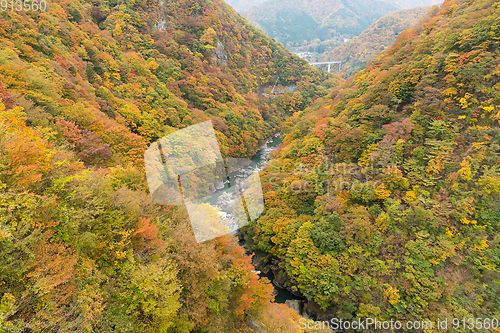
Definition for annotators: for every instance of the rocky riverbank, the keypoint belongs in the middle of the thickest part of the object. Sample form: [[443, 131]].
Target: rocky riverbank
[[306, 308]]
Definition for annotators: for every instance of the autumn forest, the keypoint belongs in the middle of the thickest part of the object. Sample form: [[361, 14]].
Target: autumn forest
[[382, 201]]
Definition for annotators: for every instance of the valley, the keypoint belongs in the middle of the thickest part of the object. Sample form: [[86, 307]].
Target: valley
[[318, 27], [381, 193]]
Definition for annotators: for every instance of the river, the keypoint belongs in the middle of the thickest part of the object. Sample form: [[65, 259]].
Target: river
[[258, 162]]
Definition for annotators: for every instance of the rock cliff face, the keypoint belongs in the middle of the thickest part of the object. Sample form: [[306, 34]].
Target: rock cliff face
[[220, 54]]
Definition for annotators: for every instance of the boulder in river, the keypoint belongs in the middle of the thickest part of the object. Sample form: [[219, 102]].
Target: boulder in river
[[294, 304], [219, 184]]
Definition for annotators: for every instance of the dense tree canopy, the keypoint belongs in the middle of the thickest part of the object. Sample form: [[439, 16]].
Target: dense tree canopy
[[356, 53], [384, 200], [85, 87]]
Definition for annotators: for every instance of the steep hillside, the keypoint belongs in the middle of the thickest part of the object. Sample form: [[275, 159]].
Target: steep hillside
[[319, 23], [84, 88], [385, 198], [149, 77], [378, 37]]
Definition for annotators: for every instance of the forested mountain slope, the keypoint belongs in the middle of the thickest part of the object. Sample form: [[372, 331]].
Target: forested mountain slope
[[300, 22], [84, 88], [293, 21], [378, 37], [385, 198]]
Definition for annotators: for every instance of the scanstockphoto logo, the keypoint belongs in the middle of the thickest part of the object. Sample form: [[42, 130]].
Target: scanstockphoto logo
[[328, 178], [186, 167]]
